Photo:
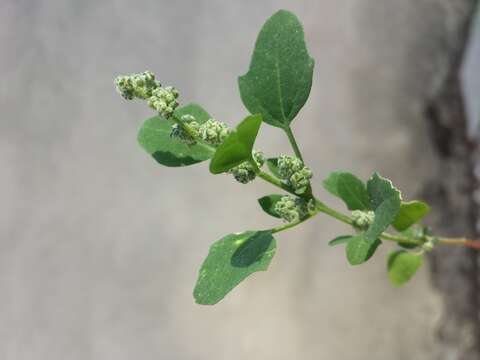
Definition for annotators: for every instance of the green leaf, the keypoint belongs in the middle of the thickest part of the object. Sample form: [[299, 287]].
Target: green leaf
[[268, 204], [385, 200], [340, 240], [273, 167], [237, 147], [349, 188], [359, 249], [410, 213], [278, 82], [230, 260], [154, 137], [379, 189], [402, 266]]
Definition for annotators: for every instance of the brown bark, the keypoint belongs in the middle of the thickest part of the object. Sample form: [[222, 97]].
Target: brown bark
[[451, 190]]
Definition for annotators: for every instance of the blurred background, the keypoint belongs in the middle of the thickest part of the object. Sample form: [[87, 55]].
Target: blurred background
[[100, 246]]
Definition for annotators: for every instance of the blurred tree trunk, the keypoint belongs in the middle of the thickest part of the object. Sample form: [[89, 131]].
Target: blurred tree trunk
[[453, 190]]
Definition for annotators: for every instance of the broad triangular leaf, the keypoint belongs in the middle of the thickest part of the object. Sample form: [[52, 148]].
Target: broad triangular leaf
[[237, 147], [402, 266], [410, 213], [349, 188], [229, 261], [268, 204], [278, 82], [154, 137]]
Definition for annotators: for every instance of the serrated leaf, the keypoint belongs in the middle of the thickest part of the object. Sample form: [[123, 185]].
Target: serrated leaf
[[379, 189], [340, 240], [279, 80], [385, 200], [349, 188], [359, 249], [237, 147], [402, 266], [154, 137], [268, 204], [272, 164], [410, 213], [230, 260]]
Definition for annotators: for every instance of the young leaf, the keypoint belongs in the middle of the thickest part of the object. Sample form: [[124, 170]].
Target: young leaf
[[237, 147], [229, 261], [340, 240], [410, 213], [402, 266], [359, 249], [154, 137], [385, 200], [268, 204], [278, 82], [272, 165], [349, 188]]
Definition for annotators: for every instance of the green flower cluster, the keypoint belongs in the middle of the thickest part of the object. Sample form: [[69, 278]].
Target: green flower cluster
[[164, 100], [213, 132], [181, 135], [297, 175], [291, 208], [144, 86], [362, 219], [136, 86], [245, 172]]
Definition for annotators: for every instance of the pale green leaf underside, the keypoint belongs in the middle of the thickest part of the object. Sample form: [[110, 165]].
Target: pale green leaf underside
[[229, 261], [410, 213], [279, 80], [154, 137], [402, 266], [359, 249], [385, 200]]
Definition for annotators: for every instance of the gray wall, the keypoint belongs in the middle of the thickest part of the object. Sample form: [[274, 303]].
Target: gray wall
[[100, 246]]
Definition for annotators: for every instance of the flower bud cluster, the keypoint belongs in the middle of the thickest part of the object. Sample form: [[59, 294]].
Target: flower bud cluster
[[363, 219], [213, 132], [178, 133], [296, 174], [136, 86], [245, 172], [291, 208], [144, 86], [164, 100]]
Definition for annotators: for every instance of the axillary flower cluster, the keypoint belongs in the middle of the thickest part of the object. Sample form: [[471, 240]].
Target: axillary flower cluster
[[189, 131]]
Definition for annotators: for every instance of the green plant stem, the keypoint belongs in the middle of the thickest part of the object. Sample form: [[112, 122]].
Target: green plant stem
[[320, 206], [293, 142], [333, 213]]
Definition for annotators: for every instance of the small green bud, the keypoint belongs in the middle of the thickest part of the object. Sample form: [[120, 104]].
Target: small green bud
[[164, 100], [288, 165], [301, 179], [294, 172], [244, 173], [213, 132], [181, 135], [136, 86], [291, 208], [363, 219]]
